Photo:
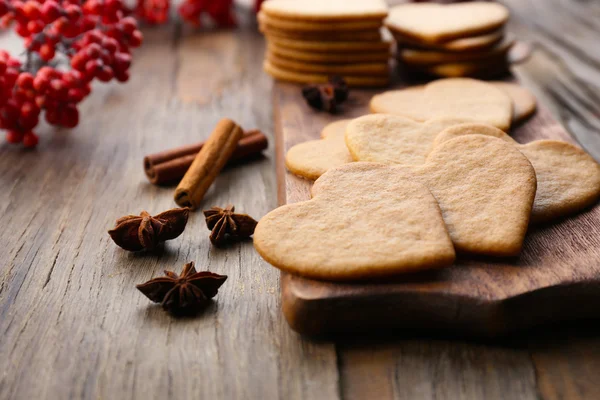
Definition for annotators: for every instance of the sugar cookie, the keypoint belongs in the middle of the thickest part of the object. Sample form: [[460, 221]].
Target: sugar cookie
[[377, 69], [371, 35], [364, 221], [312, 159], [393, 139], [330, 47], [433, 57], [468, 44], [568, 179], [325, 11], [329, 58], [461, 98], [308, 26], [524, 103], [306, 78], [435, 23]]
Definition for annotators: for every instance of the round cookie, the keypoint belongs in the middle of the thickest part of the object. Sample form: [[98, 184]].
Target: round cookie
[[469, 44], [325, 11], [524, 103], [461, 98], [330, 47], [431, 57], [313, 158], [378, 69], [307, 78], [436, 23], [345, 232], [299, 26], [329, 58]]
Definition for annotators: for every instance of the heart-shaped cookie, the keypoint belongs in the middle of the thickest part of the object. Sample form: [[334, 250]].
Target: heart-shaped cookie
[[485, 188], [364, 221], [568, 179], [393, 139], [313, 158], [436, 23], [462, 98]]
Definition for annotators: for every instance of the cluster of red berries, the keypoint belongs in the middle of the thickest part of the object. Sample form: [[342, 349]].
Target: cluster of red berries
[[94, 35], [157, 11]]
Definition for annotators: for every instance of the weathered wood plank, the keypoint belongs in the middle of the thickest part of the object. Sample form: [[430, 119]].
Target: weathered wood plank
[[73, 324]]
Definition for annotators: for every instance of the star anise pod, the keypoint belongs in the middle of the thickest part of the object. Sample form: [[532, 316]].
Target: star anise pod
[[183, 294], [136, 233], [224, 224], [328, 96]]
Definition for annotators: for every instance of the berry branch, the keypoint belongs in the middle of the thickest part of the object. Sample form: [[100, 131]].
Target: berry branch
[[94, 37]]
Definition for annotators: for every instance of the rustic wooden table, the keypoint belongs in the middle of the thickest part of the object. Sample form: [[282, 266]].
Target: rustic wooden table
[[74, 326]]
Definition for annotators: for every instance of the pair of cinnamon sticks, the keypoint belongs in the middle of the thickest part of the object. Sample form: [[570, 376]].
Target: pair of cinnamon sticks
[[199, 164], [170, 166]]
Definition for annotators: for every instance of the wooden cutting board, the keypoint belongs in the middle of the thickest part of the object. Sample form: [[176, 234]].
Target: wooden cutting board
[[556, 277]]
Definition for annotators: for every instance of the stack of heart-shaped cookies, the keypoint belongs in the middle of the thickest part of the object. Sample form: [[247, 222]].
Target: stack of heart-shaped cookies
[[310, 40], [465, 39]]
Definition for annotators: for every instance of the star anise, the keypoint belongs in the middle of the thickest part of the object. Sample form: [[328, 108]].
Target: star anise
[[328, 96], [225, 224], [183, 294], [136, 233]]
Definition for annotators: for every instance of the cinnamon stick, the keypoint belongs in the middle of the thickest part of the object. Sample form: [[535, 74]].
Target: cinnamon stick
[[171, 165], [208, 163]]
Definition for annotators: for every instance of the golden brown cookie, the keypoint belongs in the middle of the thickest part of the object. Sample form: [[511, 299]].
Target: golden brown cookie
[[468, 44], [461, 98], [485, 188], [433, 57], [371, 35], [306, 78], [346, 233], [309, 26], [393, 139], [437, 23], [330, 47], [568, 178], [373, 69], [329, 58], [325, 11], [524, 103], [312, 159]]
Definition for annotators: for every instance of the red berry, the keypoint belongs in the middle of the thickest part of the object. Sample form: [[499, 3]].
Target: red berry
[[105, 74], [136, 38], [14, 137], [122, 76], [128, 24], [47, 52], [35, 26], [32, 10], [21, 29], [92, 67], [50, 11], [25, 80], [30, 139], [70, 116], [93, 50], [76, 95]]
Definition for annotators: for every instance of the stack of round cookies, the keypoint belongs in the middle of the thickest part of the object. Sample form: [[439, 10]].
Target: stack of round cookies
[[465, 39], [310, 40]]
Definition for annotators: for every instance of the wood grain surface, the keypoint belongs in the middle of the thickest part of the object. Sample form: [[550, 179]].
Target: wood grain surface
[[74, 327]]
